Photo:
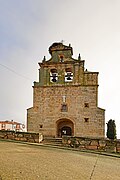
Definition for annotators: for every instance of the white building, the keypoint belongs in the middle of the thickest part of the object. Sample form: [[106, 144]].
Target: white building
[[12, 126]]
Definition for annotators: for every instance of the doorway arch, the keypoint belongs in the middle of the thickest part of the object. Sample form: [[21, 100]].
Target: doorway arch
[[65, 127]]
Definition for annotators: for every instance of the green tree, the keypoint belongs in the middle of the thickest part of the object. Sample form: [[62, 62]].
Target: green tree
[[111, 129]]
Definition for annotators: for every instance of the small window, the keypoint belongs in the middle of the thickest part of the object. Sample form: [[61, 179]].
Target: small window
[[86, 119], [53, 75], [87, 105], [41, 126], [3, 126], [64, 108], [61, 58]]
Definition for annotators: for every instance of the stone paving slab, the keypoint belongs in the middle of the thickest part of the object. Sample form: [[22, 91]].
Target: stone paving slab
[[24, 162]]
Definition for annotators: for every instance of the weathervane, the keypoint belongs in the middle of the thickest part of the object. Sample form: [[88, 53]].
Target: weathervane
[[62, 41]]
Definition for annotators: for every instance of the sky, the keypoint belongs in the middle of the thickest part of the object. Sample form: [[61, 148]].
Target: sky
[[29, 27]]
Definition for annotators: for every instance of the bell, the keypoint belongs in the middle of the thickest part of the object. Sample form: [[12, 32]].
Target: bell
[[54, 79], [68, 78]]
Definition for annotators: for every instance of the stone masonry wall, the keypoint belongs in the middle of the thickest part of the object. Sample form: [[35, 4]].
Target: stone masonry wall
[[46, 110], [99, 144], [21, 136]]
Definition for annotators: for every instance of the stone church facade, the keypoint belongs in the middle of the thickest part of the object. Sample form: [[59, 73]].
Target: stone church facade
[[65, 100]]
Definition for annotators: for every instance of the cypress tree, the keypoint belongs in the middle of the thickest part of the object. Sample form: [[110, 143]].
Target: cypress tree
[[111, 129]]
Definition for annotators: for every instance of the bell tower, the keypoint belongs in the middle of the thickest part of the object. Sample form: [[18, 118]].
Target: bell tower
[[58, 69], [65, 100]]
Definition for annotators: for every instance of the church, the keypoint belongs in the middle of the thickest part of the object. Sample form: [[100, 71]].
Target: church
[[65, 99]]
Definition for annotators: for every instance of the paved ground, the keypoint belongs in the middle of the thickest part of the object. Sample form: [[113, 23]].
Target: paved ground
[[28, 162]]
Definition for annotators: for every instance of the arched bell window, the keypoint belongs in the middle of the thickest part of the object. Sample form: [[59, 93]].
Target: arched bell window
[[68, 75], [53, 75]]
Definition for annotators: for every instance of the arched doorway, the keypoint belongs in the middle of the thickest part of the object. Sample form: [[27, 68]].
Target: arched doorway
[[65, 127]]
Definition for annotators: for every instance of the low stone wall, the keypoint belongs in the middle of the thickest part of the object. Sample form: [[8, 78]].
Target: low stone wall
[[83, 143], [21, 136]]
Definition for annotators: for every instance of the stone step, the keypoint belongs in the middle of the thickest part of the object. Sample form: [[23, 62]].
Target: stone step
[[52, 141]]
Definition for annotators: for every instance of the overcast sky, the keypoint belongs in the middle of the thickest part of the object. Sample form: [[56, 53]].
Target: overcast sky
[[29, 27]]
